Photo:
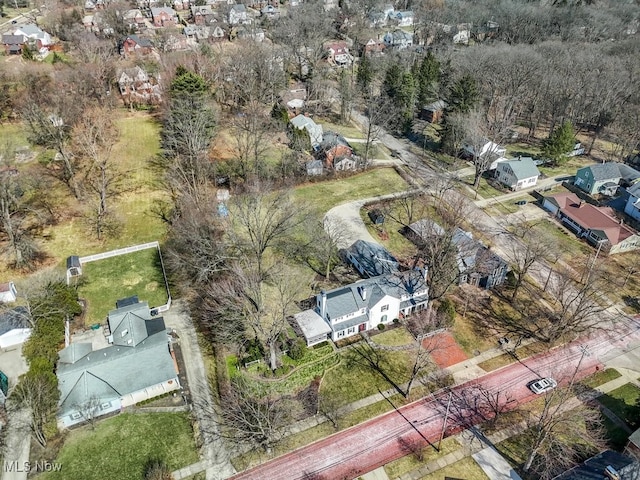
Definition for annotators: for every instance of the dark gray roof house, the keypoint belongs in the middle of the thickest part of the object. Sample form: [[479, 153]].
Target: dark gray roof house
[[601, 176], [137, 366], [477, 264], [371, 259]]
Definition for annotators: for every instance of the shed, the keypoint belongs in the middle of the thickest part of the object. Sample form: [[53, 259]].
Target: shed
[[74, 267], [8, 292], [433, 112], [376, 217]]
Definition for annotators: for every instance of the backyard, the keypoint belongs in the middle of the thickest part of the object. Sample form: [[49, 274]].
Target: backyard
[[121, 446], [105, 281], [326, 195]]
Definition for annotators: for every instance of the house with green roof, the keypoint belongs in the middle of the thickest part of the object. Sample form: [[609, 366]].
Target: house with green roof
[[138, 365], [517, 173]]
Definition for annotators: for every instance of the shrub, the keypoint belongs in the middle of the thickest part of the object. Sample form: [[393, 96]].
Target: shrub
[[447, 312], [254, 351], [381, 326], [396, 321], [297, 348]]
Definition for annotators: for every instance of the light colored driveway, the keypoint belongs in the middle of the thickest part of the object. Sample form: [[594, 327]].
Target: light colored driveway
[[348, 217], [494, 465], [215, 456], [18, 445]]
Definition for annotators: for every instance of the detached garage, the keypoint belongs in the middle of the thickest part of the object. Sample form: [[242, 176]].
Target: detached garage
[[14, 327]]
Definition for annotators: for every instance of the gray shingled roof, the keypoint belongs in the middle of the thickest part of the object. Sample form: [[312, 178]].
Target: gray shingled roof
[[523, 167], [604, 171], [114, 371], [348, 299], [373, 257]]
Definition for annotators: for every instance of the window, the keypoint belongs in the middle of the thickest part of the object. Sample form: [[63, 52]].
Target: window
[[383, 319], [384, 308], [124, 332], [351, 330], [341, 334]]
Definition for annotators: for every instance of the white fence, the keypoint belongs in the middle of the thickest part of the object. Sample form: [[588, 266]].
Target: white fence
[[120, 251], [126, 250]]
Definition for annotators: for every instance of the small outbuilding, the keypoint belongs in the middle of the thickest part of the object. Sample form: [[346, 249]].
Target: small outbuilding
[[8, 292]]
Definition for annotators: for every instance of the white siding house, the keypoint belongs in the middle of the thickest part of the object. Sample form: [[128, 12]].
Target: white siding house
[[518, 173]]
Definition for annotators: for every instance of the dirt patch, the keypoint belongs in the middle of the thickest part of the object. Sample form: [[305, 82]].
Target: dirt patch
[[446, 351]]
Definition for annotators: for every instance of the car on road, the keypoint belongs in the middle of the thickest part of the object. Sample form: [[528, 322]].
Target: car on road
[[542, 385], [13, 22], [521, 202]]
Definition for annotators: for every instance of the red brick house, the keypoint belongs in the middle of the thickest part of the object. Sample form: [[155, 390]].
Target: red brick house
[[164, 16], [135, 45]]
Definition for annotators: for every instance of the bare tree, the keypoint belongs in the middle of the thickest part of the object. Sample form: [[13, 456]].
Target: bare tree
[[50, 126], [261, 220], [250, 416], [20, 217], [526, 248], [94, 138], [261, 304], [406, 209], [38, 393], [90, 410], [320, 244], [251, 128], [560, 435]]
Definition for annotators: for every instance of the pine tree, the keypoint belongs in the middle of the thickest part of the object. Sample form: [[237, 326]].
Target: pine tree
[[463, 95], [364, 77], [393, 81], [559, 143], [427, 75]]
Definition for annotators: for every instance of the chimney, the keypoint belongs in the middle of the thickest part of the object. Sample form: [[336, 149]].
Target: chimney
[[363, 293], [323, 304]]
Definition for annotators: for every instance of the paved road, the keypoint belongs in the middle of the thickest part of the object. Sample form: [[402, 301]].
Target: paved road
[[367, 446], [216, 458]]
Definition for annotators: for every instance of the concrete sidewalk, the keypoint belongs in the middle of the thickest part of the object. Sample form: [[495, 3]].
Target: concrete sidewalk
[[494, 465], [473, 443]]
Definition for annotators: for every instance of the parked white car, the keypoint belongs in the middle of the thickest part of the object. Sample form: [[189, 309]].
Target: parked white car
[[543, 385]]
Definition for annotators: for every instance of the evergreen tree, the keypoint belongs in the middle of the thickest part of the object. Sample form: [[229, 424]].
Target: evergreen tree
[[427, 75], [559, 143], [464, 95], [407, 98], [188, 83], [392, 84], [364, 77]]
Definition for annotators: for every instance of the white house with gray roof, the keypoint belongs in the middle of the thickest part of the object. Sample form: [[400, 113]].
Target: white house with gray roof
[[363, 305], [517, 173], [138, 365]]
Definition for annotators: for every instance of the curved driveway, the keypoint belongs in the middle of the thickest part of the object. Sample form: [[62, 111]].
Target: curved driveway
[[348, 217], [367, 446]]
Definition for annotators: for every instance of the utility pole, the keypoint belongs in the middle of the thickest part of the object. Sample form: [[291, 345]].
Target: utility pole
[[444, 423]]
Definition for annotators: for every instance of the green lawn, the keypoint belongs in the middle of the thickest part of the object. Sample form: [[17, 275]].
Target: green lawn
[[348, 131], [120, 447], [105, 281], [410, 462], [485, 190], [352, 380], [395, 337], [323, 196], [600, 378], [623, 402], [466, 468], [564, 241], [389, 236], [13, 135]]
